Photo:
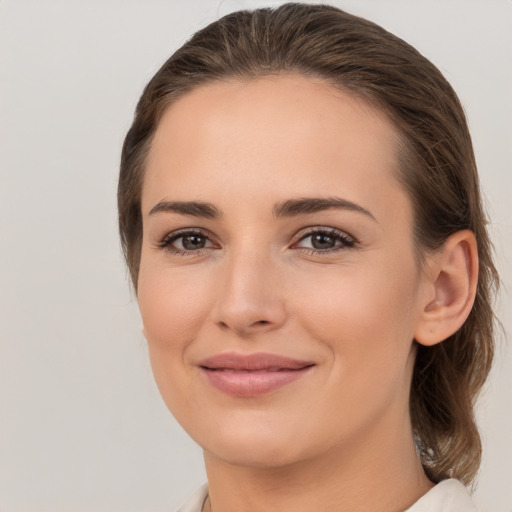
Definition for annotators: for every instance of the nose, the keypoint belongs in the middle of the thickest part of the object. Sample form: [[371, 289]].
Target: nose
[[250, 297]]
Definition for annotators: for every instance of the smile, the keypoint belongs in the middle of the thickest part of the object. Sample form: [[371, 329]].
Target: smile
[[252, 375]]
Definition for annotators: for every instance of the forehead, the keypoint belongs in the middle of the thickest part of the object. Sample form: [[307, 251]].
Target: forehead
[[288, 133]]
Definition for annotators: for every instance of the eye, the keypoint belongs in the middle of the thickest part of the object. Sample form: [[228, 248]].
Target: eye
[[186, 242], [324, 240]]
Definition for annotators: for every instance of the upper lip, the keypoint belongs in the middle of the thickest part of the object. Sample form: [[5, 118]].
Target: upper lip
[[253, 362]]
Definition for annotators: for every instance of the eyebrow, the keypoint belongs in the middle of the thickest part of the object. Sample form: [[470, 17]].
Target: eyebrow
[[307, 205], [194, 208], [288, 208]]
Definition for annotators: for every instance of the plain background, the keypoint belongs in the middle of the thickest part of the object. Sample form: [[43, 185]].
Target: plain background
[[82, 425]]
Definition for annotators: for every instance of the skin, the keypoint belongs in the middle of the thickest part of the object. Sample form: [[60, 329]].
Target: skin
[[342, 430]]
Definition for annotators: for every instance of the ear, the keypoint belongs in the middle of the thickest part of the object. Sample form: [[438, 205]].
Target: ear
[[451, 280]]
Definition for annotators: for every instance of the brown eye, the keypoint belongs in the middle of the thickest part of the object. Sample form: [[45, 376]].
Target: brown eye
[[325, 240], [192, 242], [322, 241], [187, 242]]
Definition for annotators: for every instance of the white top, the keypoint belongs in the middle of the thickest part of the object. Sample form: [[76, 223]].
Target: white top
[[447, 496]]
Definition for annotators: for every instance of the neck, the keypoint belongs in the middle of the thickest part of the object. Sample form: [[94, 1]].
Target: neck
[[381, 472]]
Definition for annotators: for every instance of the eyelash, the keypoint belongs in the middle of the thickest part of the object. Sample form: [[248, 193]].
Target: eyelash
[[347, 242], [168, 240]]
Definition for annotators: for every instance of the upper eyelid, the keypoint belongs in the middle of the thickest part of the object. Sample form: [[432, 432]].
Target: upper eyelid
[[184, 231], [305, 232], [171, 236]]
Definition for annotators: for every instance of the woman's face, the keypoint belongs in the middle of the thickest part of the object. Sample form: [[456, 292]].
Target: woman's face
[[278, 285]]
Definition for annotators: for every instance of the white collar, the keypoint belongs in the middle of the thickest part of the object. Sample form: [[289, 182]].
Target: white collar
[[447, 496]]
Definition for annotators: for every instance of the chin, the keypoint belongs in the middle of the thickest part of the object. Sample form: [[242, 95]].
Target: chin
[[259, 454], [256, 446]]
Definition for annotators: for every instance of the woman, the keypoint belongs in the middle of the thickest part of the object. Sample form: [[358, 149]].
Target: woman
[[300, 213]]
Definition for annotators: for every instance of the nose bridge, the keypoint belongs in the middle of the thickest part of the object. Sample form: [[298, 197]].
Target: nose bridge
[[249, 298]]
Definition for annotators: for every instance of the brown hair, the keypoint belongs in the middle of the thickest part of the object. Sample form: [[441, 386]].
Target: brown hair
[[437, 168]]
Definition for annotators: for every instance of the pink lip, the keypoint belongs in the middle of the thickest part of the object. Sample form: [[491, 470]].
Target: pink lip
[[252, 375]]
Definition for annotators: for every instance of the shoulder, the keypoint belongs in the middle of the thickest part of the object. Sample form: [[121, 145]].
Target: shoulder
[[447, 496], [196, 501]]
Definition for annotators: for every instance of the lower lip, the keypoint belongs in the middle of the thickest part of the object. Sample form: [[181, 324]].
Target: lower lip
[[252, 383]]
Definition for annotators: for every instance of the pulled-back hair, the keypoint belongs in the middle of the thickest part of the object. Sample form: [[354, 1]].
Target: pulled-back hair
[[437, 169]]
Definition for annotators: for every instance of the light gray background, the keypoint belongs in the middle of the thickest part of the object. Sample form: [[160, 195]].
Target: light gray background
[[82, 425]]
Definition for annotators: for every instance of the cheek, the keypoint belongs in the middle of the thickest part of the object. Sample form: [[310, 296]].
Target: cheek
[[173, 309], [364, 319], [365, 315], [172, 303]]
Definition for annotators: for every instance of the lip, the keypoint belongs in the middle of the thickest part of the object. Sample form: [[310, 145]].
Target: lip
[[252, 375]]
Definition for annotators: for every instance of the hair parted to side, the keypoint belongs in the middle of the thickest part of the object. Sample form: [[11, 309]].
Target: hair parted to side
[[437, 168]]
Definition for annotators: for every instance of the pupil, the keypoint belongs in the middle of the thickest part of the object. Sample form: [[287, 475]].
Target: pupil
[[191, 242], [322, 241]]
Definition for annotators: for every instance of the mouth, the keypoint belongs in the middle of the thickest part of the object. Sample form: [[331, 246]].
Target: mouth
[[254, 374]]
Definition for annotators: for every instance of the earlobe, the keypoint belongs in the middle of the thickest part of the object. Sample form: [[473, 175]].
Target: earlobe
[[452, 280]]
